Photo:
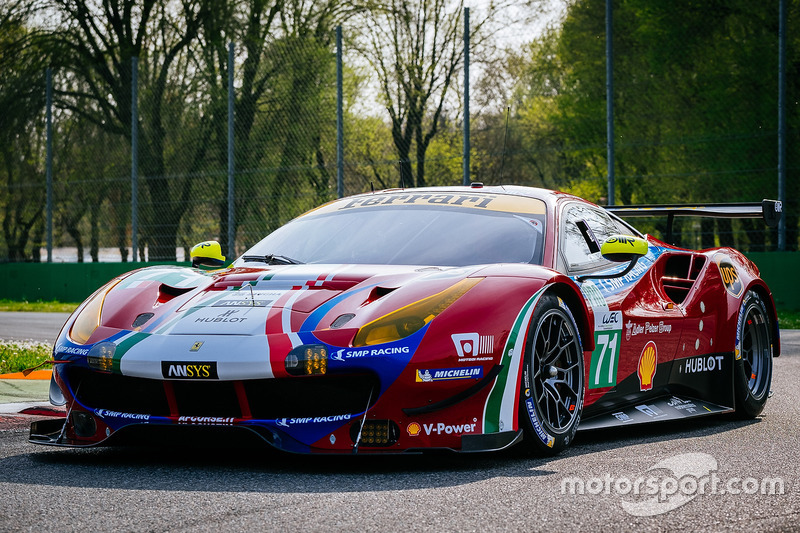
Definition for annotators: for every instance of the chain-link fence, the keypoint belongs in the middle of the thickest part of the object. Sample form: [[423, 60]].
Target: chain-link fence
[[695, 117]]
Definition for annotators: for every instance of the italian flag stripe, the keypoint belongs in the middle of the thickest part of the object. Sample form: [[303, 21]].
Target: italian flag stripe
[[500, 408]]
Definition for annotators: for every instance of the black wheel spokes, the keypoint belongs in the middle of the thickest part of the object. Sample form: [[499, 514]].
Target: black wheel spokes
[[556, 378], [755, 349]]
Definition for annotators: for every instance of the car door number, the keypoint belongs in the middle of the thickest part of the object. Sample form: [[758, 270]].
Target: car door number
[[603, 369]]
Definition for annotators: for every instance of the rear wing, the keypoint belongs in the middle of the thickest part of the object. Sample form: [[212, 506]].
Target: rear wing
[[769, 210]]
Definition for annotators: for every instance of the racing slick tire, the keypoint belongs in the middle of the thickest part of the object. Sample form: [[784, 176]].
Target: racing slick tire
[[752, 373], [552, 381]]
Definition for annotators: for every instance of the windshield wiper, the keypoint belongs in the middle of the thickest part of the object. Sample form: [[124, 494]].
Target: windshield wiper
[[272, 259]]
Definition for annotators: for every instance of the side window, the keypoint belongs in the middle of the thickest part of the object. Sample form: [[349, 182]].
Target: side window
[[573, 248]]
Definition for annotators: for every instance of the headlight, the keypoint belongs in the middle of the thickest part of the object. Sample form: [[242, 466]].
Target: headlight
[[411, 318], [89, 317]]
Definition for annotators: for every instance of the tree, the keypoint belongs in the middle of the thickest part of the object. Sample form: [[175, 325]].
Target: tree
[[98, 42], [22, 99], [415, 48]]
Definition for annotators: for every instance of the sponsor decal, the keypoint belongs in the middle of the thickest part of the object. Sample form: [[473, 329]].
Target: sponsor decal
[[609, 286], [622, 417], [647, 366], [694, 365], [71, 350], [470, 345], [537, 427], [682, 405], [631, 329], [440, 428], [593, 296], [354, 353], [429, 375], [249, 298], [605, 357], [205, 420], [189, 370], [286, 422], [196, 346], [651, 410], [105, 413], [622, 240], [730, 277], [739, 319], [475, 201], [227, 316]]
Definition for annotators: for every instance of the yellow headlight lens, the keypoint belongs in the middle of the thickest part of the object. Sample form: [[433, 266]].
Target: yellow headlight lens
[[411, 318], [89, 317]]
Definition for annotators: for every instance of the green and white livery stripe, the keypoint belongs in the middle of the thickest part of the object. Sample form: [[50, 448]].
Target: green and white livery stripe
[[501, 405], [126, 343]]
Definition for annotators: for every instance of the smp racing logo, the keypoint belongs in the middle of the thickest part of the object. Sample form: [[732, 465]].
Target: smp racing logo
[[189, 370]]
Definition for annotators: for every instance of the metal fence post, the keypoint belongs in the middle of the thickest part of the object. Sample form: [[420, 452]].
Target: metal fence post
[[466, 180], [339, 117], [610, 103], [134, 159], [49, 164], [231, 186], [782, 120]]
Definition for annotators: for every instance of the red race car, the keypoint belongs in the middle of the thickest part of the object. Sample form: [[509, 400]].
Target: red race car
[[462, 318]]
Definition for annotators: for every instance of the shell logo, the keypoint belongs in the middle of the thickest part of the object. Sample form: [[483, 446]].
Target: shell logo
[[413, 429], [647, 366]]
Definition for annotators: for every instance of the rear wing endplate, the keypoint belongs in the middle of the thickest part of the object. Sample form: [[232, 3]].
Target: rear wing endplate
[[769, 210]]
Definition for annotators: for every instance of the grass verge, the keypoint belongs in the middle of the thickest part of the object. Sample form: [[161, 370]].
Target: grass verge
[[16, 356], [39, 306]]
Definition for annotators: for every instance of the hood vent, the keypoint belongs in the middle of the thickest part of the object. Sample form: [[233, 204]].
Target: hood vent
[[167, 292], [377, 293]]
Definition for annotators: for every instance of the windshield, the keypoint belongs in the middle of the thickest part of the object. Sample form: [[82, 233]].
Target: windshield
[[408, 234]]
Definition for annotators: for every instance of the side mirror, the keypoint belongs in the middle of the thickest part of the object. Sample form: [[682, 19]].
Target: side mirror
[[208, 254], [623, 248], [620, 248]]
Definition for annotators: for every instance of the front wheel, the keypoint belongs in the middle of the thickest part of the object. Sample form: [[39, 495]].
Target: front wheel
[[753, 357], [551, 396]]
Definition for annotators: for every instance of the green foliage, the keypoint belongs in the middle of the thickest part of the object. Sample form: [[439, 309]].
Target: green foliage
[[695, 100], [16, 356], [789, 319]]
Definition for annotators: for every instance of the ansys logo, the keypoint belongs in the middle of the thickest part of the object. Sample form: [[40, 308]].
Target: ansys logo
[[189, 370]]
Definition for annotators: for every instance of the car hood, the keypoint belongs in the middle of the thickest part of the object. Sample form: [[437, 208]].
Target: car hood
[[268, 300]]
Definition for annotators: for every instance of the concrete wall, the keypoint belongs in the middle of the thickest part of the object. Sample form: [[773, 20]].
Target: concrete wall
[[73, 282]]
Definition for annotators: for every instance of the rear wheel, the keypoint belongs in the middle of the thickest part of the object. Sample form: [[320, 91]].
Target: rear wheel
[[551, 396], [753, 358]]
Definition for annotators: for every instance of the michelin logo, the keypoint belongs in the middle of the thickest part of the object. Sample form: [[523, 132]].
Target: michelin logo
[[448, 374]]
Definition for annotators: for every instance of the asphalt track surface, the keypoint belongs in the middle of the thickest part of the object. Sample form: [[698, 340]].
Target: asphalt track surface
[[200, 486], [42, 327]]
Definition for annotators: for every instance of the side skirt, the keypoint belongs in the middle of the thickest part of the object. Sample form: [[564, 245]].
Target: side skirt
[[654, 410]]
